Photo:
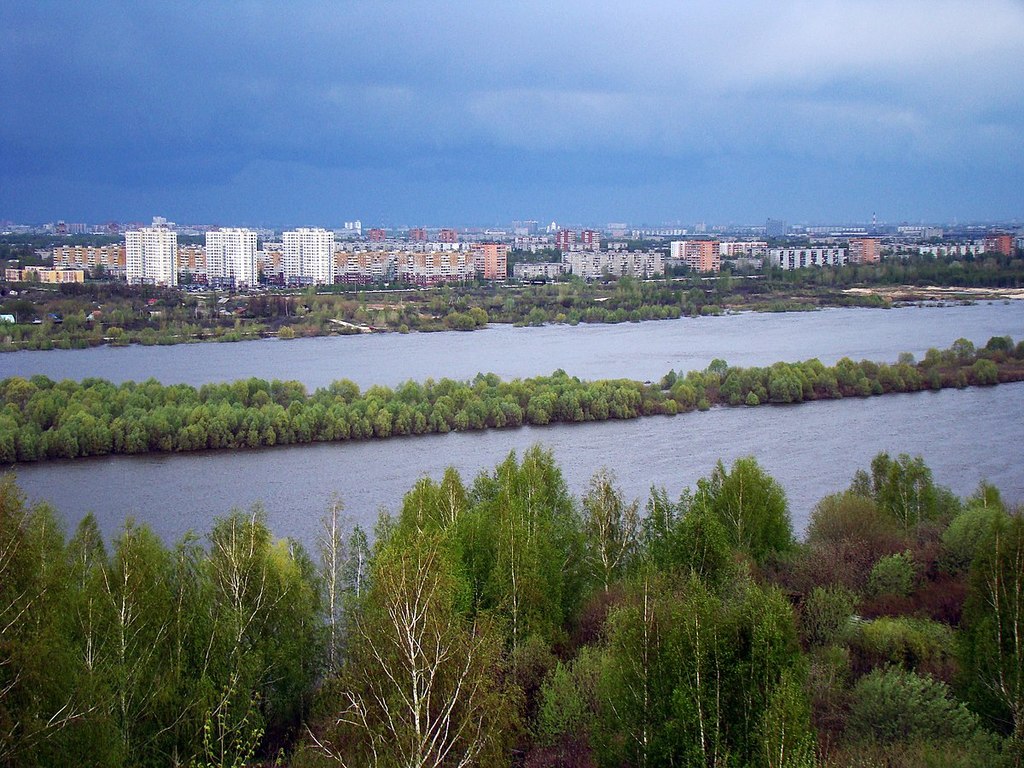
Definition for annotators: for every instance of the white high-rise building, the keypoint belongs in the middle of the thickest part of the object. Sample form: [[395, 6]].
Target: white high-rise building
[[308, 256], [231, 257], [151, 255]]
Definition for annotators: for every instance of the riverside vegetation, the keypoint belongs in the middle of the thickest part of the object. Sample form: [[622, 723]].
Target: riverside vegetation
[[113, 313], [43, 419], [505, 622]]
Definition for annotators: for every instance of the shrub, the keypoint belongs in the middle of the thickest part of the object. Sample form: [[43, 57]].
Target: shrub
[[893, 575], [825, 615], [965, 533], [913, 644], [891, 705]]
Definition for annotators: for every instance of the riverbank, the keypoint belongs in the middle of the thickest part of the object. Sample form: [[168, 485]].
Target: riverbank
[[42, 419]]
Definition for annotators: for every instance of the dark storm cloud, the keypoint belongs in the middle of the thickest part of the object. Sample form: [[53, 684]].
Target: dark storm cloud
[[457, 111]]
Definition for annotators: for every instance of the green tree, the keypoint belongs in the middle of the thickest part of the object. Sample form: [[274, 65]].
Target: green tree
[[611, 526], [992, 641], [750, 505], [422, 685]]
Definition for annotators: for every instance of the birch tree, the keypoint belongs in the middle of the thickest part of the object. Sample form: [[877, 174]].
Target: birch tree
[[422, 686], [611, 526], [992, 648]]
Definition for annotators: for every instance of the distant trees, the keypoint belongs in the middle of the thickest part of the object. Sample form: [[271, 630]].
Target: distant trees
[[40, 418]]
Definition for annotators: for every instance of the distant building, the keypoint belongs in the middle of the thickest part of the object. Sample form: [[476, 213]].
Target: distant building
[[42, 275], [864, 250], [490, 260], [447, 236], [151, 255], [565, 240], [592, 265], [798, 258], [270, 262], [361, 267], [999, 242], [546, 270], [434, 267], [698, 255], [231, 257], [192, 262], [950, 249], [570, 240], [775, 228], [377, 235], [743, 249], [308, 256], [418, 234], [533, 243], [89, 257], [590, 240]]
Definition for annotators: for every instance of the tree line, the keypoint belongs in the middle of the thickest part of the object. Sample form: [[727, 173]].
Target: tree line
[[43, 419], [505, 622]]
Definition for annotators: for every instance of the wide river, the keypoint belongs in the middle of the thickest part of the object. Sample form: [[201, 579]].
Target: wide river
[[811, 449]]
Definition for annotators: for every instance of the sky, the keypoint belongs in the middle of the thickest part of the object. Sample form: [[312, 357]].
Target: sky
[[412, 112]]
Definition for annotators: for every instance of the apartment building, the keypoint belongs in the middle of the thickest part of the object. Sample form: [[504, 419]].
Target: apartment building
[[360, 267], [698, 255], [743, 249], [999, 242], [41, 275], [231, 257], [591, 265], [532, 243], [539, 270], [308, 257], [192, 261], [798, 258], [151, 255], [864, 250], [447, 236], [567, 240], [427, 268], [490, 260], [88, 257]]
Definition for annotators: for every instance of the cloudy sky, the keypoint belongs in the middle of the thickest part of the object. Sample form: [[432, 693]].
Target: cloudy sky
[[481, 111]]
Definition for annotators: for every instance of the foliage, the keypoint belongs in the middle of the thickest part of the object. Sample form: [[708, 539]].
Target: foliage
[[904, 490], [825, 615], [893, 575], [507, 622], [41, 419], [751, 507], [919, 645], [992, 642], [896, 705]]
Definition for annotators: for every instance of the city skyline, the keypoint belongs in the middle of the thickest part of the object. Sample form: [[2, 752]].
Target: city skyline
[[256, 115]]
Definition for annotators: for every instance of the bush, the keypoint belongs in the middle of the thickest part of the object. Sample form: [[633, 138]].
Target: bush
[[891, 705], [915, 644], [965, 533], [825, 615], [985, 373], [893, 575]]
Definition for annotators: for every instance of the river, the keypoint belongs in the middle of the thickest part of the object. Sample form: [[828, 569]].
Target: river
[[630, 350], [811, 449]]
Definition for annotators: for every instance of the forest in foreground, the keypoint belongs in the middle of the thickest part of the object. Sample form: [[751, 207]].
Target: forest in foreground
[[505, 622], [44, 419]]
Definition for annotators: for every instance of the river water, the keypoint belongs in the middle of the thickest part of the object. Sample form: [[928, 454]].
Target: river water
[[630, 350], [811, 449]]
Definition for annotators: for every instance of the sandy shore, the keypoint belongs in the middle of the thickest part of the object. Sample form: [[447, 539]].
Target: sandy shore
[[937, 293]]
